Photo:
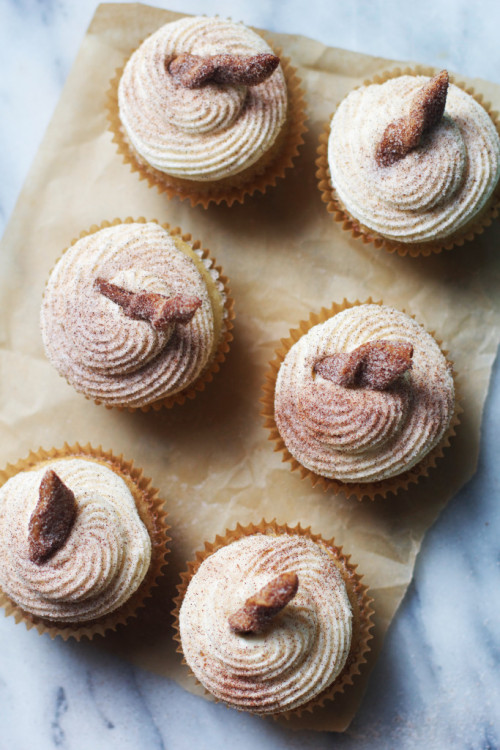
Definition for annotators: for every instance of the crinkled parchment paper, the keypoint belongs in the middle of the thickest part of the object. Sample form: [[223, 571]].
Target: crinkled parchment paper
[[285, 257]]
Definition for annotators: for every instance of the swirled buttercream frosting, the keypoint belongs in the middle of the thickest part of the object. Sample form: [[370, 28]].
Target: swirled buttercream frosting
[[206, 133], [106, 354], [438, 187], [357, 433], [300, 653], [102, 562]]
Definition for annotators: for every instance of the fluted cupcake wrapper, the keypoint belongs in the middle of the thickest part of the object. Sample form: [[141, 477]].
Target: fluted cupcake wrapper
[[359, 599], [151, 511], [221, 283], [358, 490], [357, 230], [257, 178]]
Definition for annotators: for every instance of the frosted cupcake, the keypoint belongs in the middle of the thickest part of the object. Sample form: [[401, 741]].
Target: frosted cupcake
[[273, 619], [135, 315], [363, 400], [206, 110], [82, 540], [412, 163]]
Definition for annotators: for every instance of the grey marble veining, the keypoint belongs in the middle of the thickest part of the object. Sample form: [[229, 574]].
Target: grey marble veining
[[437, 682]]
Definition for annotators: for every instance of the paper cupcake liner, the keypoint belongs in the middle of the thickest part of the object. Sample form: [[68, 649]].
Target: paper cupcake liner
[[359, 490], [357, 592], [257, 178], [225, 338], [334, 205], [150, 508]]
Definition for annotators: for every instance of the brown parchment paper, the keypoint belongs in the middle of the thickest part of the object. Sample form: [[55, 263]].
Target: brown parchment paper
[[285, 257]]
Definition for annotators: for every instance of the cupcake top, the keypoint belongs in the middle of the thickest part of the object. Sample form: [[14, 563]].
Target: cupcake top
[[127, 317], [72, 545], [217, 127], [406, 170], [275, 663], [364, 396]]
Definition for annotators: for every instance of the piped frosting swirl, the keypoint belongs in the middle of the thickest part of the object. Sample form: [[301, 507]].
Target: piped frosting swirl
[[437, 188], [106, 354], [359, 434], [102, 562], [300, 654], [207, 133]]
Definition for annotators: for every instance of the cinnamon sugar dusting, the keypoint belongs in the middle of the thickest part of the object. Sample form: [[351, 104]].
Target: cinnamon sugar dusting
[[299, 654], [145, 329], [353, 432], [202, 99], [451, 161], [72, 545]]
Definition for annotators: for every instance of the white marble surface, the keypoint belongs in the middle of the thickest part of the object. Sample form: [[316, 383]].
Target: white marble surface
[[437, 683]]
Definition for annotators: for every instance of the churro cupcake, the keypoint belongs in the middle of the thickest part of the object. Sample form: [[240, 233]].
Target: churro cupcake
[[412, 163], [273, 619], [205, 110], [82, 540], [135, 315], [361, 398]]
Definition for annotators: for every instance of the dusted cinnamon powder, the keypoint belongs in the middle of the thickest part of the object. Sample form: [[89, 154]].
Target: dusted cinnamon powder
[[358, 434], [303, 650], [118, 359], [203, 133], [438, 187]]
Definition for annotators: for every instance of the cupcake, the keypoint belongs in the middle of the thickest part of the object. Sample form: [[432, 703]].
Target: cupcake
[[361, 398], [135, 315], [205, 110], [82, 540], [273, 619], [412, 163]]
